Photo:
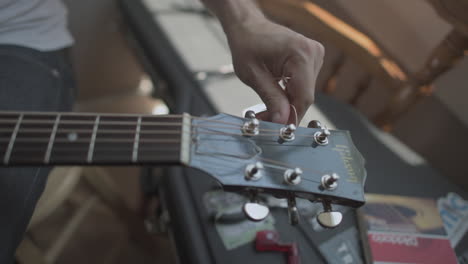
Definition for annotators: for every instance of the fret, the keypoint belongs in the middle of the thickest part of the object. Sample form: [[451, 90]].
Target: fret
[[93, 139], [51, 140], [106, 140], [166, 138], [30, 146], [6, 130], [72, 138], [6, 159], [137, 139]]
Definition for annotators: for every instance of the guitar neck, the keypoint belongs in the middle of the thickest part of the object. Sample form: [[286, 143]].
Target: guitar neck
[[30, 138]]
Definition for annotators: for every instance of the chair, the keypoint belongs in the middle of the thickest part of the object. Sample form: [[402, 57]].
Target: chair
[[402, 74]]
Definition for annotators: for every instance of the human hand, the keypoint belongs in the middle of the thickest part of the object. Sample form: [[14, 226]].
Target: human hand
[[263, 52]]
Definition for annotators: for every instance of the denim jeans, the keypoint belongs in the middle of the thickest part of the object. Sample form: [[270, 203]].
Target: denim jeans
[[30, 80]]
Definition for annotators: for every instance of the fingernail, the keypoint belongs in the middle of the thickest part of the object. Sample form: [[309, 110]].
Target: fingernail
[[276, 117]]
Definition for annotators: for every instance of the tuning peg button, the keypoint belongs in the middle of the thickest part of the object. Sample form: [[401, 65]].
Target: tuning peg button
[[255, 211], [315, 124], [329, 218], [250, 114]]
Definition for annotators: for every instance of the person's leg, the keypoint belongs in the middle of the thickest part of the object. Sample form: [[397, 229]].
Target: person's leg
[[29, 81]]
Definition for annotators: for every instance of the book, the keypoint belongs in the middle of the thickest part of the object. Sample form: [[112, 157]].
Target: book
[[406, 230]]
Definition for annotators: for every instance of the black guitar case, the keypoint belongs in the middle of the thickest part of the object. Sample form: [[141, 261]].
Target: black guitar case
[[182, 189]]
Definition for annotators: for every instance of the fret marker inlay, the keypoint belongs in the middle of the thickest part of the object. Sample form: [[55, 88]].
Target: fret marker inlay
[[12, 140], [72, 137], [93, 140]]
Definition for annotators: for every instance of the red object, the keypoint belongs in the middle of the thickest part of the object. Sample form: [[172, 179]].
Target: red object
[[408, 248], [268, 240]]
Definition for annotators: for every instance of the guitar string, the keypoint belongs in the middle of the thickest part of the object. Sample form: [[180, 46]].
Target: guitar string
[[142, 151], [126, 131], [58, 149], [159, 149], [273, 163], [131, 130], [266, 164], [60, 133], [91, 122], [65, 115], [122, 141], [270, 163], [143, 123], [236, 127], [146, 157], [284, 164], [118, 140]]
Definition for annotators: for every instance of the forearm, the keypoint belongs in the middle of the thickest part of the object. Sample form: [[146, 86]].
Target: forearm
[[234, 13]]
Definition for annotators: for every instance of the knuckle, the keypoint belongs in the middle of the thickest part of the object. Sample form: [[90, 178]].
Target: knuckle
[[310, 48], [268, 98], [320, 49]]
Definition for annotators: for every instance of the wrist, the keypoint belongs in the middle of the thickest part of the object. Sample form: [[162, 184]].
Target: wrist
[[235, 15]]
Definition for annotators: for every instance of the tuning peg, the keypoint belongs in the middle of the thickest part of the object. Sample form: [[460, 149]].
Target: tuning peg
[[293, 212], [250, 127], [250, 114], [314, 124], [330, 182], [255, 211], [329, 218], [287, 132], [293, 176], [321, 137], [253, 172]]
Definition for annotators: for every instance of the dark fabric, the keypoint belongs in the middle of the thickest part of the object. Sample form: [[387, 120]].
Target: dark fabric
[[29, 81]]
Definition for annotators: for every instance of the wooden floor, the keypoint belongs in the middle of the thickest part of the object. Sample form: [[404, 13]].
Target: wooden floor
[[102, 237]]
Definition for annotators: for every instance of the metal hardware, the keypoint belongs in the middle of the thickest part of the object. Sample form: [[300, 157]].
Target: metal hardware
[[255, 211], [329, 218], [321, 137], [293, 212], [250, 127], [315, 124], [287, 132], [330, 182], [250, 114], [253, 172], [293, 176]]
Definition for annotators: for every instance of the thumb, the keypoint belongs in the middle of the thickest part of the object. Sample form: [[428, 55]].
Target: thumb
[[272, 95]]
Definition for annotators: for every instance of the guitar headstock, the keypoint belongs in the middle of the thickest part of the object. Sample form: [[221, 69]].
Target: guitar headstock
[[252, 156]]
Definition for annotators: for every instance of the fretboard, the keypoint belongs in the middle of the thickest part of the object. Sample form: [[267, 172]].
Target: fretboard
[[92, 139]]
